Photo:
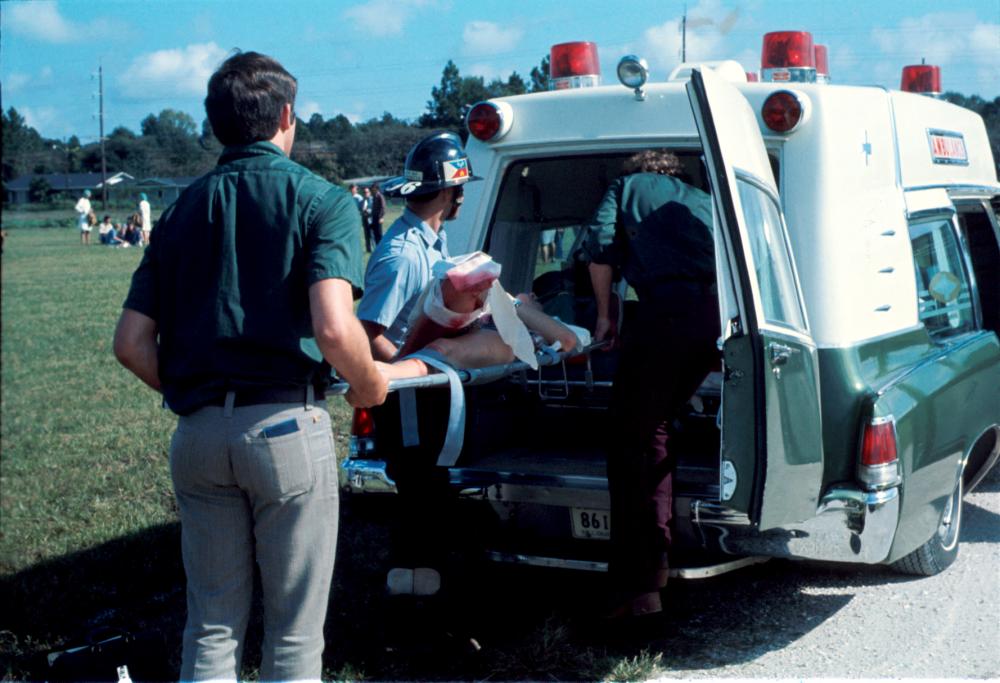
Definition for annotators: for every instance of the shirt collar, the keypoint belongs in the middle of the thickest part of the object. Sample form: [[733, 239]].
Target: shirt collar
[[258, 148], [426, 231]]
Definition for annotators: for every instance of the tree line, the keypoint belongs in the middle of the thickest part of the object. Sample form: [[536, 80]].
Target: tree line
[[172, 143]]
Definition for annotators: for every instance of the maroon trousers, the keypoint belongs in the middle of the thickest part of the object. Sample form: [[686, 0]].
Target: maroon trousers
[[667, 351]]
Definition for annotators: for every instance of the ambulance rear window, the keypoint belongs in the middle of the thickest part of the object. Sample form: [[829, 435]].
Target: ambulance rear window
[[542, 209], [944, 298]]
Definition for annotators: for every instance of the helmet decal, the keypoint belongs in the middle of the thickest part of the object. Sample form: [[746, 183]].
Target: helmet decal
[[455, 169], [412, 174], [408, 188]]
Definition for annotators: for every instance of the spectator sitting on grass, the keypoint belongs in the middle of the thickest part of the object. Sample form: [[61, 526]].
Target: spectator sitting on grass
[[109, 234], [132, 235]]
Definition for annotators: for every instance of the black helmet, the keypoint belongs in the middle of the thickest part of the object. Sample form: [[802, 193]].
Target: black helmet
[[434, 163]]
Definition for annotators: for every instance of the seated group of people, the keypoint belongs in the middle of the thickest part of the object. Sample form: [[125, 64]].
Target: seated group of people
[[113, 235]]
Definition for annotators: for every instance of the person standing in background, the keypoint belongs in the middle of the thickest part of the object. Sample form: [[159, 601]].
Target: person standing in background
[[146, 225], [376, 215], [83, 209]]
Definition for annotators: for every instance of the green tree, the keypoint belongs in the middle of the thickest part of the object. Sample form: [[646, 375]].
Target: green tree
[[23, 147], [39, 190], [540, 76]]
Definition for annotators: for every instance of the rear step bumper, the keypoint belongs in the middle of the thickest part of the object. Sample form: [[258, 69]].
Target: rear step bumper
[[700, 572]]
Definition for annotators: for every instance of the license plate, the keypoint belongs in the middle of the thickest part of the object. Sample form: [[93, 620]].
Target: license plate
[[591, 523]]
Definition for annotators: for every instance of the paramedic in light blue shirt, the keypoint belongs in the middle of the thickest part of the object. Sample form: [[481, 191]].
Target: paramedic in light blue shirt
[[400, 267]]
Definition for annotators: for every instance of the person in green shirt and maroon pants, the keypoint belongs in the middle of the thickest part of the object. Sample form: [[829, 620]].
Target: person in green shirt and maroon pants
[[237, 312]]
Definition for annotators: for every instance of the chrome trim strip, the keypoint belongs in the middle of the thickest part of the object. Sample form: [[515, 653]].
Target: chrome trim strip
[[367, 476], [717, 569], [954, 189], [850, 526], [551, 562]]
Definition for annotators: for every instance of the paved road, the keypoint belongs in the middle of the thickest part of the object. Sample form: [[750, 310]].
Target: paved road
[[807, 620]]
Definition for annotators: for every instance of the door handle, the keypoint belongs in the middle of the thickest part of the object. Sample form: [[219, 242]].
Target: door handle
[[780, 353]]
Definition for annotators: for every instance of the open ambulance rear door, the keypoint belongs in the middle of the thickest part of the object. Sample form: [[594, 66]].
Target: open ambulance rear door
[[771, 432]]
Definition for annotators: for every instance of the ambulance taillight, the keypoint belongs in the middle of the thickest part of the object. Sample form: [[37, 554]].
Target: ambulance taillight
[[489, 121], [752, 77], [921, 78], [574, 65], [362, 439], [782, 111], [788, 56], [822, 64], [879, 462]]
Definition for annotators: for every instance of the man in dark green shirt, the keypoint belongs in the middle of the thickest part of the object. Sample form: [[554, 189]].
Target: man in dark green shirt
[[655, 231], [242, 303]]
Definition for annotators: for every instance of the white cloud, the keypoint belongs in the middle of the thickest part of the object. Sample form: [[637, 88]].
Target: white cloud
[[39, 117], [708, 24], [487, 38], [384, 17], [179, 71], [16, 81], [40, 20], [305, 110], [954, 39]]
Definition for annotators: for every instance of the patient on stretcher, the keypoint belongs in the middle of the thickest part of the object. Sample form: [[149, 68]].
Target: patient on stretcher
[[465, 317]]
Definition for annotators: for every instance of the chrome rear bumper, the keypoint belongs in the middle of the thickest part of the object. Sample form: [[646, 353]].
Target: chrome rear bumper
[[850, 526], [367, 476]]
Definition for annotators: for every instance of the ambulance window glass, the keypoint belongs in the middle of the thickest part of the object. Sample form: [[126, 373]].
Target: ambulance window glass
[[772, 262], [944, 299]]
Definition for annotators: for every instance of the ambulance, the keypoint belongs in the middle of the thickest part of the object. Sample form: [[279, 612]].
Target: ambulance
[[857, 393]]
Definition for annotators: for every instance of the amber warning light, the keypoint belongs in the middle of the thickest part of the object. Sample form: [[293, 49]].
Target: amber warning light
[[574, 65]]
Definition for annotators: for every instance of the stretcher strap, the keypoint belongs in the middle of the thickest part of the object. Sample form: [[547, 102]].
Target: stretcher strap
[[455, 435]]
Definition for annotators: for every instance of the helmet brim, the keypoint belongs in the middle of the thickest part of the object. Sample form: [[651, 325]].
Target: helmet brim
[[401, 186]]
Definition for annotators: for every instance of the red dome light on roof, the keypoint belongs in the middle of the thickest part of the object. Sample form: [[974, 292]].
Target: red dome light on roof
[[788, 56], [822, 64], [921, 78], [574, 65]]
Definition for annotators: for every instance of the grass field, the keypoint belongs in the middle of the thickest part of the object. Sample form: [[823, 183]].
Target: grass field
[[88, 533]]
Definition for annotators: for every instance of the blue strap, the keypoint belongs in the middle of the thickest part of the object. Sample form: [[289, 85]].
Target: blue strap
[[455, 435]]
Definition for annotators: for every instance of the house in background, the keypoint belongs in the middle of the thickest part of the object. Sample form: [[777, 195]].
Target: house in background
[[163, 191], [68, 183]]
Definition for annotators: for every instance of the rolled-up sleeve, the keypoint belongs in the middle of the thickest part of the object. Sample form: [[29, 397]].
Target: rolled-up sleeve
[[389, 284], [334, 235], [142, 295]]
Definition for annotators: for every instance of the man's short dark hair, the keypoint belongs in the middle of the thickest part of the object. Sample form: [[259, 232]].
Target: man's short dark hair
[[245, 97]]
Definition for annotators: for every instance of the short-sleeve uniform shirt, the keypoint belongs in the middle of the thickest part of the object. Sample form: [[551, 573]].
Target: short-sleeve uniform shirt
[[399, 269], [227, 278]]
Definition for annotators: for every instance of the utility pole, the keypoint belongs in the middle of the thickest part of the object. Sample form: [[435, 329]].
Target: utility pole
[[104, 168], [684, 34]]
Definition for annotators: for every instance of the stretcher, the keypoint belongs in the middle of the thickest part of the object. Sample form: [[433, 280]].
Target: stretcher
[[456, 379]]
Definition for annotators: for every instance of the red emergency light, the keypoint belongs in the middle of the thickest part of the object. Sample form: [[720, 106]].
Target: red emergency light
[[822, 64], [483, 121], [782, 111], [363, 424], [574, 65], [921, 78], [788, 56]]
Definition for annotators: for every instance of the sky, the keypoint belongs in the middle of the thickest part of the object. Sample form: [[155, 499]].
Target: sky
[[363, 58]]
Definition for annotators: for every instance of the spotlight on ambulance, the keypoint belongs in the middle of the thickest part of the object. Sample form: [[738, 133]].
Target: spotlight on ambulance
[[633, 72]]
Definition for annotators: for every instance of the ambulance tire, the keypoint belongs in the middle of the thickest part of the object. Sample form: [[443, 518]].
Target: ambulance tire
[[938, 553]]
